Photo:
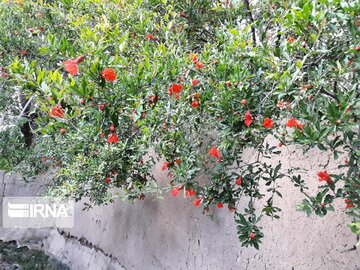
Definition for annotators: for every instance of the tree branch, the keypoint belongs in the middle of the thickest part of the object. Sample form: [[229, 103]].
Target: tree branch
[[249, 14], [329, 94]]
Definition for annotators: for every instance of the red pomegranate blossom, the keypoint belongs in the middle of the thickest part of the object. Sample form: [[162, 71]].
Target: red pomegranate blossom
[[190, 192], [102, 107], [113, 138], [292, 122], [268, 123], [197, 202], [109, 74], [107, 180], [175, 89], [175, 191], [291, 39], [248, 118], [219, 205], [195, 82], [243, 102], [165, 165], [239, 181], [57, 111], [195, 104], [324, 176], [199, 65], [71, 66], [252, 236], [214, 152], [149, 37]]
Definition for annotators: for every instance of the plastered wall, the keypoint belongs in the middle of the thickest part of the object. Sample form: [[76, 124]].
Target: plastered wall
[[173, 234]]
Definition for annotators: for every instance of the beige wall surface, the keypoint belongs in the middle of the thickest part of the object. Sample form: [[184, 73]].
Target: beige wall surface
[[173, 234]]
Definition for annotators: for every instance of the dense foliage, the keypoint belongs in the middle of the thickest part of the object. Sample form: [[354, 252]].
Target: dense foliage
[[101, 91]]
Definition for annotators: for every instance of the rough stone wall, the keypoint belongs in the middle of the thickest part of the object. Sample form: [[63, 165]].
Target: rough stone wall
[[172, 234]]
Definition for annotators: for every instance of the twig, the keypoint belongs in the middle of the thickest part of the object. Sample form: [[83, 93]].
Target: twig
[[25, 107], [249, 14], [329, 94]]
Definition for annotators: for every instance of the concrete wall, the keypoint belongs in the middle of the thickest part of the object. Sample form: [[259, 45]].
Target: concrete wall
[[173, 234]]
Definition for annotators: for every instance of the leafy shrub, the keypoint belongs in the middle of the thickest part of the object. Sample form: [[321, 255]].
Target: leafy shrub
[[114, 87]]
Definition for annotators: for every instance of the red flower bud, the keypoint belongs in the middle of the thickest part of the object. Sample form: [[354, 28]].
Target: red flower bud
[[324, 176], [195, 82], [80, 59], [248, 118], [239, 181], [195, 104], [175, 191], [308, 86], [165, 165], [197, 202], [219, 205], [102, 107], [190, 192], [291, 39], [149, 37], [215, 152], [112, 127], [199, 65]]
